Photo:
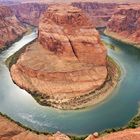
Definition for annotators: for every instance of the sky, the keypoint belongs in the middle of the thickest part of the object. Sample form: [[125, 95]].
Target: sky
[[67, 1]]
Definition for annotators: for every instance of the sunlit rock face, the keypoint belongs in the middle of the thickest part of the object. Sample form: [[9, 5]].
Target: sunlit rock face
[[125, 24], [67, 61], [70, 34], [128, 134], [10, 28]]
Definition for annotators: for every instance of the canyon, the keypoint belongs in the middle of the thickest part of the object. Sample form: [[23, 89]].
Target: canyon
[[30, 13], [125, 25], [73, 63], [64, 56], [10, 27]]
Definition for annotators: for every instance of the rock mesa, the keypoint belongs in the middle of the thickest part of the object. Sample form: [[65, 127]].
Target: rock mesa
[[66, 62]]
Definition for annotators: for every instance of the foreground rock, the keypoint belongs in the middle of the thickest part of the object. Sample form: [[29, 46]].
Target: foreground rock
[[11, 131], [125, 25], [66, 66], [10, 28], [128, 134]]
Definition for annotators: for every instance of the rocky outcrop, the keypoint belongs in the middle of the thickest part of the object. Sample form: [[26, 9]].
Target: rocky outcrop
[[125, 25], [29, 12], [128, 134], [11, 131], [10, 28], [100, 13], [66, 63]]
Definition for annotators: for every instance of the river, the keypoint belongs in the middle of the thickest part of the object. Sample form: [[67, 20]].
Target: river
[[116, 111]]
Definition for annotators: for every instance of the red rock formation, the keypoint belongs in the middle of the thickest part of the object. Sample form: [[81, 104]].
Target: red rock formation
[[67, 62], [69, 33], [99, 12], [125, 24], [11, 131], [29, 12], [10, 27], [128, 134]]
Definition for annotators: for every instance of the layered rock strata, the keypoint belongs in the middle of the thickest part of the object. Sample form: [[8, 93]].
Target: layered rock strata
[[125, 25], [66, 63], [29, 12], [10, 28], [11, 131], [100, 13]]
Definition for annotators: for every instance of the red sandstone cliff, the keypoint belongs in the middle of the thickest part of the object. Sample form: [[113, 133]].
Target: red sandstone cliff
[[125, 24], [67, 62], [99, 12], [29, 12], [10, 27]]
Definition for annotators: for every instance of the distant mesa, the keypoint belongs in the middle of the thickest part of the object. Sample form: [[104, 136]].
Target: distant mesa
[[125, 25], [10, 27]]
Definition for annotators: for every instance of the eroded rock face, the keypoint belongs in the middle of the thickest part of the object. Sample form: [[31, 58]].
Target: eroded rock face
[[100, 13], [10, 27], [69, 33], [29, 12], [11, 131], [68, 61], [125, 24], [128, 134]]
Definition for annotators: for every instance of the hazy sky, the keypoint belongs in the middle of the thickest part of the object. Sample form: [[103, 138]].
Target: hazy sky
[[113, 1]]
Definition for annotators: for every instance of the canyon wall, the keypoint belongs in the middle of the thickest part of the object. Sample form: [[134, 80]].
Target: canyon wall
[[10, 28], [29, 12], [99, 12], [66, 63], [125, 25]]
